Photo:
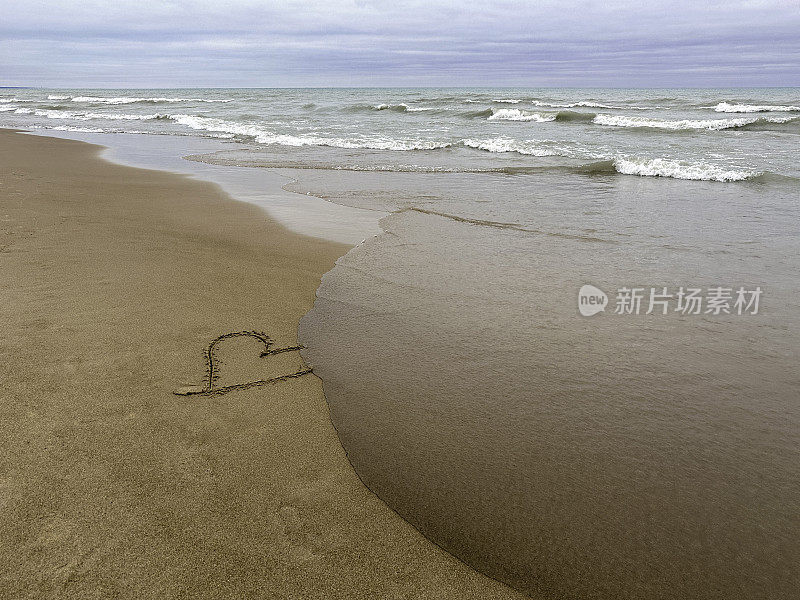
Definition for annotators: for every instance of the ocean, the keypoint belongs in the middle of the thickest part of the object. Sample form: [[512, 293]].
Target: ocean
[[647, 451]]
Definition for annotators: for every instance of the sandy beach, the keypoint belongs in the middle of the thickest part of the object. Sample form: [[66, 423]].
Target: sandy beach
[[115, 281]]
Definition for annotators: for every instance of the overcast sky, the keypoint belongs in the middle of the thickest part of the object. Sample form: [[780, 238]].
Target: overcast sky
[[252, 43]]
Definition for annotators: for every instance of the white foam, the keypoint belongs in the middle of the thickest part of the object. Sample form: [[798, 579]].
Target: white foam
[[99, 100], [264, 136], [754, 108], [536, 148], [51, 114], [507, 100], [76, 129], [528, 147], [86, 116], [710, 124], [515, 114], [661, 167]]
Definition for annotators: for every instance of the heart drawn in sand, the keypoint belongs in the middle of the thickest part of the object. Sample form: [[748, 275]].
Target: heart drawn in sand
[[209, 387]]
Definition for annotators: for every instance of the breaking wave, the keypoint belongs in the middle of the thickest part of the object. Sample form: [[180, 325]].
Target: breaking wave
[[605, 131], [661, 167], [263, 136], [754, 108], [402, 108], [515, 114], [535, 148], [88, 116], [527, 147], [685, 124]]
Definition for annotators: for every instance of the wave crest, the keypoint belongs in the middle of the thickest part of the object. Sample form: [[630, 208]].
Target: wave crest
[[263, 136], [591, 104], [515, 114], [754, 108], [527, 147], [402, 108], [572, 115], [662, 167], [710, 124], [88, 116], [130, 99], [692, 124]]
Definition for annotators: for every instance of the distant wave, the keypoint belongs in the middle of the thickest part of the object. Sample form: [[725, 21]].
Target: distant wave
[[590, 104], [661, 167], [129, 100], [572, 115], [515, 114], [754, 108], [684, 124], [402, 108], [479, 114], [435, 99], [578, 104], [397, 108]]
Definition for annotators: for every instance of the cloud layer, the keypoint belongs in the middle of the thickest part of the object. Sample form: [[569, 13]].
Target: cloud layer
[[201, 43]]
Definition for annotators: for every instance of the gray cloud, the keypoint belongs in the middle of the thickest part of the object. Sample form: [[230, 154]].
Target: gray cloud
[[347, 42]]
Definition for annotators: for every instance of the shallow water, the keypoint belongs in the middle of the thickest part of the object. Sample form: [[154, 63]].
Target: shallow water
[[612, 456]]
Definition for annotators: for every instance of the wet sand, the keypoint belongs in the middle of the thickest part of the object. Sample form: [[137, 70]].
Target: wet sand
[[114, 281]]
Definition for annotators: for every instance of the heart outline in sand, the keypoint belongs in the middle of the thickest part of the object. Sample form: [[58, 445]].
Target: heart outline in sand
[[212, 374]]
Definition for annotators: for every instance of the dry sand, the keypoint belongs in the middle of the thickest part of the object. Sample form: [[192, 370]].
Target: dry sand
[[114, 280]]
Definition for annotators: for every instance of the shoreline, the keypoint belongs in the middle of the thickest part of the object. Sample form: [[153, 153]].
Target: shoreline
[[304, 214], [114, 486]]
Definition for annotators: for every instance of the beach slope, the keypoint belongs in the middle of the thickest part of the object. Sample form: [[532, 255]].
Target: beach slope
[[115, 280]]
